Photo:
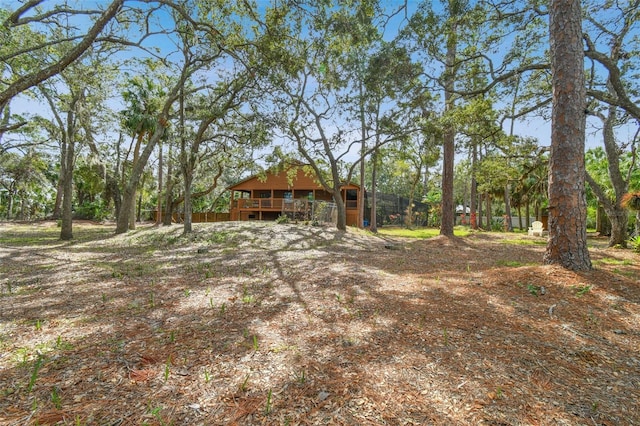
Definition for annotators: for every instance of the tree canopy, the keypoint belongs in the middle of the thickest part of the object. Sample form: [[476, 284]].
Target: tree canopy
[[179, 94]]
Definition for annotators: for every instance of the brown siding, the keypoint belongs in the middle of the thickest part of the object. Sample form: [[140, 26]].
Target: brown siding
[[255, 205]]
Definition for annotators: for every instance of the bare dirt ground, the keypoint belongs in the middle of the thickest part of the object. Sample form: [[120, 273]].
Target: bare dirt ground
[[259, 323]]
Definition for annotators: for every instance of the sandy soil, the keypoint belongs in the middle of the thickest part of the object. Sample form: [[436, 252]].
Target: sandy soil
[[259, 323]]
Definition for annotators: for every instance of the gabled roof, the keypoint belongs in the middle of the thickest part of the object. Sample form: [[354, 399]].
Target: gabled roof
[[262, 179]]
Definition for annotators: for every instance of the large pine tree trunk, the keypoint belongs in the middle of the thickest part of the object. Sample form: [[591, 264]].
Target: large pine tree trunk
[[448, 151], [567, 243], [473, 216]]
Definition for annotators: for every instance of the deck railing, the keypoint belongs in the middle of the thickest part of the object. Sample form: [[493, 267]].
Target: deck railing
[[279, 204]]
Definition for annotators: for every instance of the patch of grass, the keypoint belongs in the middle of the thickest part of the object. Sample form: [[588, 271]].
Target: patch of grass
[[245, 384], [268, 407], [524, 242], [581, 290], [421, 233], [510, 263], [613, 261], [301, 377], [246, 297], [34, 373], [62, 345], [218, 237], [55, 398], [167, 369], [533, 289], [283, 348], [628, 274]]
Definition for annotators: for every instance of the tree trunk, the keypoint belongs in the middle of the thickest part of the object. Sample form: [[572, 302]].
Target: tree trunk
[[567, 243], [66, 231], [341, 210], [363, 149], [159, 203], [168, 202], [113, 191], [612, 218], [507, 208], [473, 216], [132, 205], [487, 197], [519, 217], [57, 206], [10, 206], [128, 201], [188, 207], [374, 188], [619, 221], [139, 205], [448, 154], [617, 214]]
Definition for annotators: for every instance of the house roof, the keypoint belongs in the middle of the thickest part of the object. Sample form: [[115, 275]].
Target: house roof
[[306, 180]]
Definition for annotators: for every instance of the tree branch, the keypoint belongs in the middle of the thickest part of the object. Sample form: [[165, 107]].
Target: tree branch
[[37, 77]]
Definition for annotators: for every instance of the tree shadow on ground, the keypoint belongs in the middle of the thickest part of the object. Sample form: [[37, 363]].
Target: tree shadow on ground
[[253, 324]]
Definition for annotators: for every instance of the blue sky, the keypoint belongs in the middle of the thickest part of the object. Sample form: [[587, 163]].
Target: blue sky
[[532, 126]]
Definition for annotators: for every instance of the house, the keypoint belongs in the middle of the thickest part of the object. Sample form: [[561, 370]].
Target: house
[[293, 191]]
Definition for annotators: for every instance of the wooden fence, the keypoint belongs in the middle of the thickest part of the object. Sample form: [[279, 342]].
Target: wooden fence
[[202, 217]]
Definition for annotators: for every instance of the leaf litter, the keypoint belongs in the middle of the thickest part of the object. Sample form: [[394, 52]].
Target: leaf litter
[[261, 323]]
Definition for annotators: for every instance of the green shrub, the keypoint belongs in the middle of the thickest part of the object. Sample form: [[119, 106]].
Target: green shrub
[[91, 211], [283, 218]]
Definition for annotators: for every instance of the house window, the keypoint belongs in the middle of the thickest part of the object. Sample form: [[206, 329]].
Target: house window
[[352, 199]]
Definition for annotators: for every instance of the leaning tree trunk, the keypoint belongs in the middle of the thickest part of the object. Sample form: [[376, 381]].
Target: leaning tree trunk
[[128, 198], [567, 243], [616, 213]]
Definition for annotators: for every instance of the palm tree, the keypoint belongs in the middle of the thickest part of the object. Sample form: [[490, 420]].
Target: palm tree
[[144, 101]]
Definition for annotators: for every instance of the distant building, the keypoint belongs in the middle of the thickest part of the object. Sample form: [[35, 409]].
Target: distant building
[[292, 191]]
